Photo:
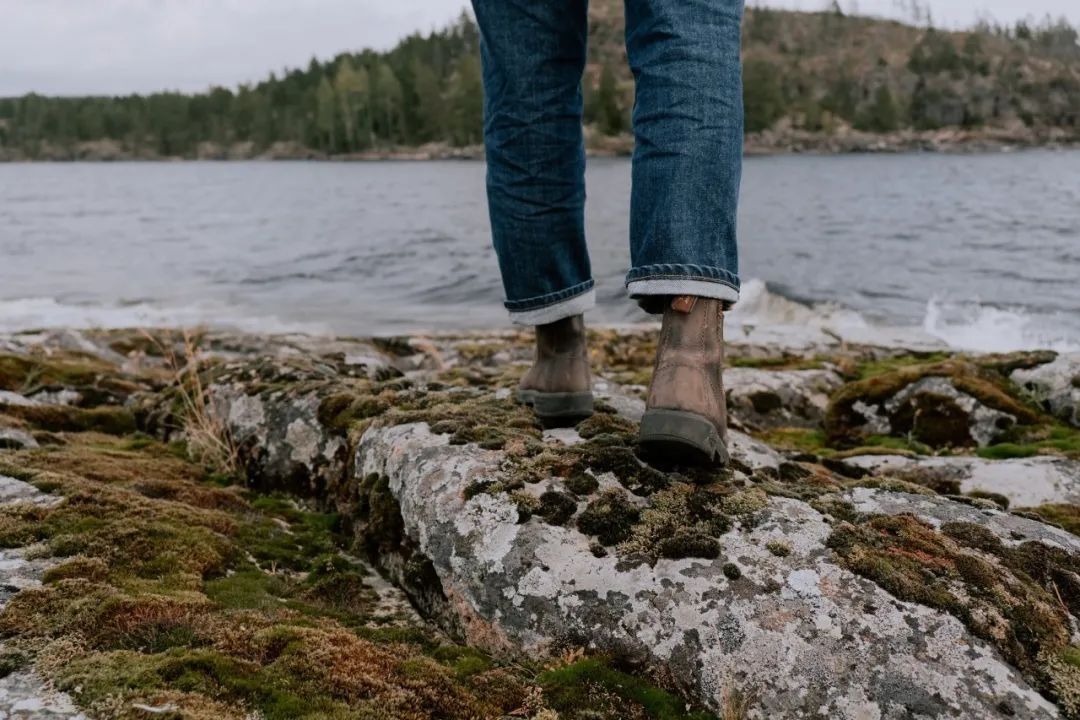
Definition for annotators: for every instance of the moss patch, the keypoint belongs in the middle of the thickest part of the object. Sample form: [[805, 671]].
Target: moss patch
[[1063, 515], [592, 688], [1017, 598], [930, 419]]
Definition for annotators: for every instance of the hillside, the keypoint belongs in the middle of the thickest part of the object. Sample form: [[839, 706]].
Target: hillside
[[818, 81]]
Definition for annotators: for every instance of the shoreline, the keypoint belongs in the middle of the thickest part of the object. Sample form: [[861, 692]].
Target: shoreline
[[779, 142]]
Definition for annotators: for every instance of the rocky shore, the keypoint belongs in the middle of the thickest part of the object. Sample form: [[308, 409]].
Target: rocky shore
[[779, 141], [221, 525]]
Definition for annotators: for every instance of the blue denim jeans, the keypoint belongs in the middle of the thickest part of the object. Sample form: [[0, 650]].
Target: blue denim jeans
[[687, 165]]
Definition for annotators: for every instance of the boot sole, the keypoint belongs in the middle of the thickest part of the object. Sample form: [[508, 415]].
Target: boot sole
[[558, 409], [681, 438]]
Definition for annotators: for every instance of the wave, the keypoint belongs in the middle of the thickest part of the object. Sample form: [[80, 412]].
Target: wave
[[766, 315], [973, 326], [44, 313], [763, 315]]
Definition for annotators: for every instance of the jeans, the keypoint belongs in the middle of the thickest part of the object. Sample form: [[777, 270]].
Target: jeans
[[687, 164]]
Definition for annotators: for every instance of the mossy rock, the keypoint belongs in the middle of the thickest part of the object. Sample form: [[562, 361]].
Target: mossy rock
[[927, 417]]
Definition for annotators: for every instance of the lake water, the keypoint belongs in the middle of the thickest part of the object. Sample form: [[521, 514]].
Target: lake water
[[980, 250]]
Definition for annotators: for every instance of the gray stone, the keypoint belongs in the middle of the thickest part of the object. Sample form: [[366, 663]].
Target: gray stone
[[804, 635], [15, 399], [12, 438], [1055, 385], [779, 398], [25, 695], [1026, 482]]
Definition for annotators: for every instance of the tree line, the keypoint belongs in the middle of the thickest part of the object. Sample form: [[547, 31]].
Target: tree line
[[814, 71]]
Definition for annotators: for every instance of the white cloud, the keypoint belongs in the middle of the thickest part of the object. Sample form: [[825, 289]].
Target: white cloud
[[122, 46]]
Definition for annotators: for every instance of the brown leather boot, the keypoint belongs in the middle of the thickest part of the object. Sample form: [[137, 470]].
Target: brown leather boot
[[558, 386], [685, 417]]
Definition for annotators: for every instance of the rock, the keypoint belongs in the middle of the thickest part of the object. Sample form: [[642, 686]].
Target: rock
[[799, 631], [13, 439], [23, 693], [779, 398], [15, 399], [280, 437], [1055, 386], [1026, 482], [953, 403]]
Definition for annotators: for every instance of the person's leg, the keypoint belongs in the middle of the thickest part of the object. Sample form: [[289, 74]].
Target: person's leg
[[688, 123], [533, 54]]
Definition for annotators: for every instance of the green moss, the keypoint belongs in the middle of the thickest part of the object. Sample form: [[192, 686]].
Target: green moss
[[13, 661], [609, 518], [1017, 598], [1005, 451], [806, 440], [1001, 501], [689, 544], [606, 423], [60, 418], [784, 361], [1061, 514], [930, 419], [556, 507], [1029, 441], [247, 590], [590, 688], [731, 571], [745, 502], [91, 376], [875, 368], [340, 411], [684, 521], [582, 484], [779, 548]]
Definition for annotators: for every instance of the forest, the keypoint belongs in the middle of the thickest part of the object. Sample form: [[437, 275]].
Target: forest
[[818, 72]]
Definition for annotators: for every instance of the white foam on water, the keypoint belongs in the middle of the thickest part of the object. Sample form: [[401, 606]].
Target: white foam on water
[[765, 316], [42, 313], [761, 316], [973, 326]]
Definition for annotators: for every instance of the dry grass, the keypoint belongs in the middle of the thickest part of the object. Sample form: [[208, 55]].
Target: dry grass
[[737, 704], [210, 441]]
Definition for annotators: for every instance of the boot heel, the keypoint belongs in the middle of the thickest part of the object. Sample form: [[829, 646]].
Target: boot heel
[[681, 438], [562, 409]]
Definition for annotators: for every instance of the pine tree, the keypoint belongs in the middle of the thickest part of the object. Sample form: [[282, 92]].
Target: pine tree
[[348, 88], [387, 99], [430, 105], [467, 102], [326, 114]]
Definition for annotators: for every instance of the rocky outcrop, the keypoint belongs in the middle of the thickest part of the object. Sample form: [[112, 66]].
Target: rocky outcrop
[[953, 403], [907, 577], [772, 612], [1055, 386], [761, 398]]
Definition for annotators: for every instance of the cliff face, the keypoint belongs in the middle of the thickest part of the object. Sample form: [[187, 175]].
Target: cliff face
[[895, 536]]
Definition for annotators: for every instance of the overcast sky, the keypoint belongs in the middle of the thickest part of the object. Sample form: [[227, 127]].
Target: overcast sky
[[124, 46]]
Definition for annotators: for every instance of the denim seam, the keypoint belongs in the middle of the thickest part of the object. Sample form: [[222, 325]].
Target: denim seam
[[544, 301], [691, 271]]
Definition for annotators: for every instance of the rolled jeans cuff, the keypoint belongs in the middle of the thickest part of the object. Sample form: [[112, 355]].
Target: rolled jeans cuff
[[697, 280], [554, 306]]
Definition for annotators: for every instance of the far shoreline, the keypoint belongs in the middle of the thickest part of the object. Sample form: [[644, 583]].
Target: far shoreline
[[779, 142]]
